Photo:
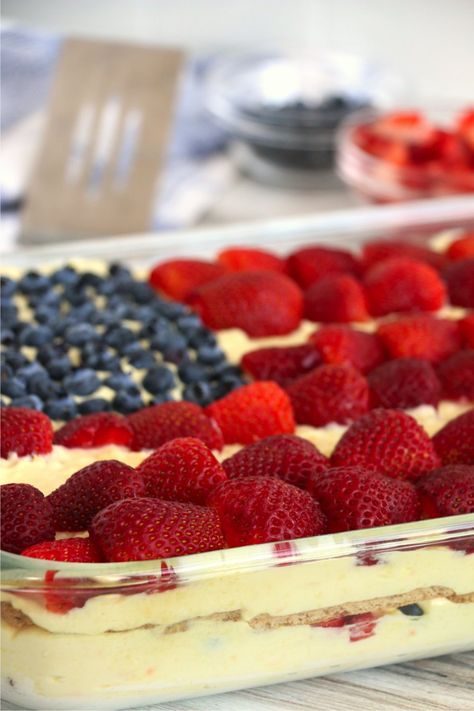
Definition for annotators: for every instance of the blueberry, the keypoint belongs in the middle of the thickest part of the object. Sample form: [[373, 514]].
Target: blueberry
[[7, 286], [118, 336], [125, 402], [117, 270], [142, 292], [231, 382], [46, 314], [16, 359], [160, 399], [49, 352], [63, 408], [45, 298], [6, 370], [158, 380], [172, 310], [191, 372], [145, 314], [89, 279], [27, 370], [36, 335], [59, 367], [412, 610], [32, 402], [175, 344], [131, 349], [40, 384], [9, 313], [210, 354], [161, 334], [108, 361], [82, 382], [13, 387], [67, 276], [188, 323], [144, 359], [105, 287], [7, 337], [115, 300], [201, 337], [32, 281], [84, 312], [225, 369], [75, 296], [199, 392], [81, 334], [108, 318], [121, 381], [96, 404]]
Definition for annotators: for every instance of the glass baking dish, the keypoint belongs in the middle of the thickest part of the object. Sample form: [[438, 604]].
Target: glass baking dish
[[123, 635]]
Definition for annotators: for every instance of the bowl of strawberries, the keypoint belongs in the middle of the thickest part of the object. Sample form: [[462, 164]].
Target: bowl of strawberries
[[408, 154]]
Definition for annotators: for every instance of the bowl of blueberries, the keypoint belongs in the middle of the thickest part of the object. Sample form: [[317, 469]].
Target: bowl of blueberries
[[282, 112]]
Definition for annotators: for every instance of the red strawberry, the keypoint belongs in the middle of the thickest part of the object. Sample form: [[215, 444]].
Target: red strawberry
[[68, 550], [361, 625], [459, 278], [95, 430], [24, 432], [379, 250], [27, 517], [283, 364], [447, 491], [402, 284], [338, 298], [244, 259], [466, 329], [389, 442], [309, 264], [353, 497], [454, 443], [461, 248], [404, 383], [286, 457], [144, 529], [422, 336], [259, 510], [252, 412], [177, 278], [330, 393], [156, 425], [457, 376], [92, 488], [260, 303], [341, 344], [182, 470]]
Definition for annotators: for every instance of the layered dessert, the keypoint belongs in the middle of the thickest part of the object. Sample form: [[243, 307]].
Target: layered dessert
[[226, 474]]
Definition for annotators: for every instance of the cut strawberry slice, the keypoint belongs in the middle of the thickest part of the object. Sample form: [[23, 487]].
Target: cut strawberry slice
[[362, 626]]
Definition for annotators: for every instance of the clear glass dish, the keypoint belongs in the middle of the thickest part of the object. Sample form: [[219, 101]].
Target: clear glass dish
[[123, 635]]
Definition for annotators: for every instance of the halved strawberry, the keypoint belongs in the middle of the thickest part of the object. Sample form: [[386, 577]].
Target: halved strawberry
[[459, 278], [261, 303], [457, 376], [422, 336], [144, 529], [454, 443], [259, 510], [95, 430], [404, 383], [461, 248], [177, 278], [309, 264], [286, 457], [67, 550], [156, 425], [447, 491], [244, 259], [466, 329], [389, 442], [181, 470], [337, 298], [403, 284], [252, 412], [24, 432], [330, 393], [380, 250], [341, 344], [27, 517], [281, 364]]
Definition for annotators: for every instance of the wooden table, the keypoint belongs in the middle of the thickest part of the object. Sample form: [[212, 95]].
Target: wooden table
[[440, 684]]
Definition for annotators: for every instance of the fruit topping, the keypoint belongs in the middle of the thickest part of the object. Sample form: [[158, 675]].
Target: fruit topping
[[261, 303], [454, 443], [462, 248], [68, 550], [447, 491], [95, 430], [24, 432], [353, 497], [403, 284], [412, 610], [457, 376], [389, 442], [422, 336], [91, 489], [261, 509], [404, 383], [466, 329], [459, 278], [156, 425], [181, 470], [309, 264], [330, 393], [344, 345], [281, 364], [27, 517], [380, 250], [144, 529], [244, 259], [287, 457], [337, 298], [253, 412], [177, 278]]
